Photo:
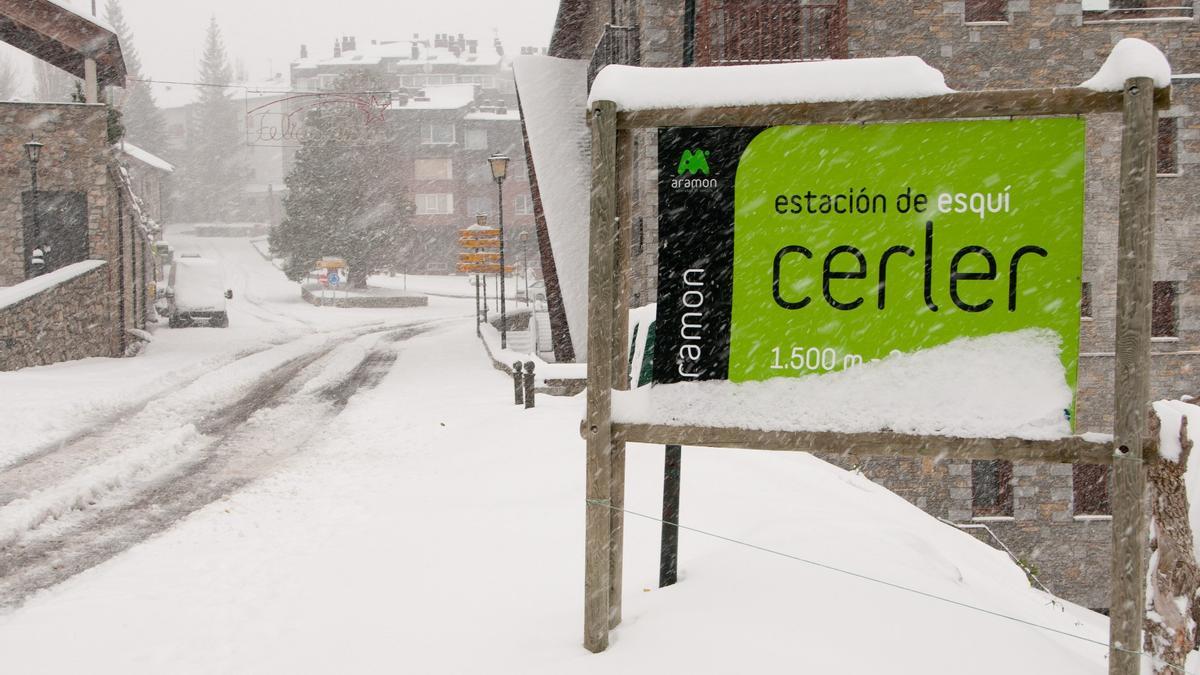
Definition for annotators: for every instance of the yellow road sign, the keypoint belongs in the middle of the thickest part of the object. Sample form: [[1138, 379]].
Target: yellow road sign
[[482, 257], [479, 243], [486, 233], [483, 268]]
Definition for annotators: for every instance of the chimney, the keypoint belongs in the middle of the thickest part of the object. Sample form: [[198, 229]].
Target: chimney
[[353, 43], [499, 47], [337, 49], [416, 50], [473, 46], [304, 51]]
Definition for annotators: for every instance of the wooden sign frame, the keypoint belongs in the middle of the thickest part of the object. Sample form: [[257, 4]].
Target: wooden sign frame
[[608, 317]]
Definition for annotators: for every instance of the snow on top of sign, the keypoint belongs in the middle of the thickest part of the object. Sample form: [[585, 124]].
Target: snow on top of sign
[[31, 287], [1131, 57], [633, 88], [553, 103], [1003, 385]]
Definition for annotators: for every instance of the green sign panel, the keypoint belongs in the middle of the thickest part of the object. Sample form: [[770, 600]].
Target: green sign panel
[[792, 251]]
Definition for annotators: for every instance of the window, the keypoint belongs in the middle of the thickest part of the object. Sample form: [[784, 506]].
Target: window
[[1090, 486], [1168, 133], [434, 169], [429, 204], [1085, 301], [477, 139], [1164, 319], [524, 205], [437, 134], [991, 487], [986, 10]]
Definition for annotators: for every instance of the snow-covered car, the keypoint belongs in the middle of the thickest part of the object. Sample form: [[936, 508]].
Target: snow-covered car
[[197, 292]]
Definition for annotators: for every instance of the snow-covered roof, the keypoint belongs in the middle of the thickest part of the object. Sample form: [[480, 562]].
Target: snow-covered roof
[[554, 103], [635, 88], [512, 115], [1129, 58], [84, 14], [440, 97], [402, 50], [146, 157], [11, 295]]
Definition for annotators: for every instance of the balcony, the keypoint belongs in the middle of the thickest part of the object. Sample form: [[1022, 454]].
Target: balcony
[[731, 32], [618, 44]]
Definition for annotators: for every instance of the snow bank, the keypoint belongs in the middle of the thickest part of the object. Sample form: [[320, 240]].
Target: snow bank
[[31, 287], [554, 106], [634, 88], [1008, 384], [1131, 57]]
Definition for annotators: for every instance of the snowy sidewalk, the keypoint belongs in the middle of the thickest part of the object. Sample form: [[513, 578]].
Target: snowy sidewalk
[[435, 528]]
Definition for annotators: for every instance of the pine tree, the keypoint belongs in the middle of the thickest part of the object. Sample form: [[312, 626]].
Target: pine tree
[[213, 170], [339, 202], [144, 124]]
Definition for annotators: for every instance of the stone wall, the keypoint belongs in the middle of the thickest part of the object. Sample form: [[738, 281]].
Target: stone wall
[[68, 321], [75, 158]]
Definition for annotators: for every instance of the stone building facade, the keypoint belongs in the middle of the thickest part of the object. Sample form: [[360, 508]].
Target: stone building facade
[[1051, 516], [88, 212]]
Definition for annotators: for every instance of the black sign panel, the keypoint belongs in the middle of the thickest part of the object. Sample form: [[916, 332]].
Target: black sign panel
[[697, 167]]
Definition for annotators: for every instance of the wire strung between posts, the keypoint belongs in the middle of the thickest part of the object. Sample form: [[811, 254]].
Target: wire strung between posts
[[891, 584]]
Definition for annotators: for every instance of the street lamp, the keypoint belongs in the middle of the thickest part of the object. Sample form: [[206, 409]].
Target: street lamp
[[33, 152], [499, 164], [525, 263]]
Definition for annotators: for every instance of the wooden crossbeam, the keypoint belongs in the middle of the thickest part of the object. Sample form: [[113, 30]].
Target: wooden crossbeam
[[958, 105], [876, 444]]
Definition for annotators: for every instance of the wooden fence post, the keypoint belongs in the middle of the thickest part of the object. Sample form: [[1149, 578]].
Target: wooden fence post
[[601, 294], [1135, 246], [620, 361]]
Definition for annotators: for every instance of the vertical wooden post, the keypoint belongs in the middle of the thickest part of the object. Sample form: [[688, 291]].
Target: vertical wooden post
[[620, 360], [601, 296], [1135, 244], [668, 554]]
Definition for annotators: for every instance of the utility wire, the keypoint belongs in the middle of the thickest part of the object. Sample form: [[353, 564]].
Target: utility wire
[[884, 582]]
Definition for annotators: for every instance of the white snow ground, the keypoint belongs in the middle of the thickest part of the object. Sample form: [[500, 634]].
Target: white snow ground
[[45, 406], [433, 527]]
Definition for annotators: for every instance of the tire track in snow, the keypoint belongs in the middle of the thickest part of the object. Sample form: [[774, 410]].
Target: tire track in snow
[[48, 536]]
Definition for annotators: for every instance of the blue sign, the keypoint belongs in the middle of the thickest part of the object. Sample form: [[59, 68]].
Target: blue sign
[[334, 279]]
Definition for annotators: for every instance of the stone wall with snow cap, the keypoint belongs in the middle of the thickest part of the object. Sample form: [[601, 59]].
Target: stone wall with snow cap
[[64, 315]]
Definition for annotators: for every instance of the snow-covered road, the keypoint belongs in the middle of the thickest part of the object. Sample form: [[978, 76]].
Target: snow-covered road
[[86, 474]]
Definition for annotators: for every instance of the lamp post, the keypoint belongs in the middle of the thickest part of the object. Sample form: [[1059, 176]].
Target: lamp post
[[499, 165], [33, 151], [525, 263]]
